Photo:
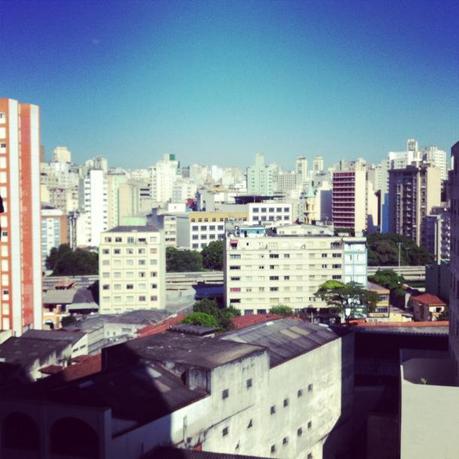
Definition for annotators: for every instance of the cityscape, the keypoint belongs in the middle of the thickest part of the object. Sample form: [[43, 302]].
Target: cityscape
[[176, 297]]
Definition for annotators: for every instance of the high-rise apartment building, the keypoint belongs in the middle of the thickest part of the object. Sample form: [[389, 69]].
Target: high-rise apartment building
[[301, 169], [260, 177], [317, 165], [454, 263], [436, 233], [349, 198], [93, 208], [20, 243], [264, 268], [132, 269], [54, 230], [413, 192], [115, 179], [162, 178]]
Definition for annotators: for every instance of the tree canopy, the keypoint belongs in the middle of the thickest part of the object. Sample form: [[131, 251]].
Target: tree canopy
[[222, 316], [383, 251], [387, 278], [201, 318], [212, 255], [183, 260], [281, 310], [346, 297], [67, 262]]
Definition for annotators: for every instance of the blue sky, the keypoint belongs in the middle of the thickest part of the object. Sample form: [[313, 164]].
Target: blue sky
[[216, 81]]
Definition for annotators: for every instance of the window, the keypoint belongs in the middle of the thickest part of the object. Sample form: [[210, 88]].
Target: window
[[273, 277], [309, 456], [154, 286], [106, 287], [309, 425], [310, 387], [299, 393], [285, 441], [129, 286], [248, 383], [273, 449], [286, 277], [285, 402], [105, 251], [117, 251], [141, 274], [225, 394], [118, 239], [273, 409], [225, 432], [299, 432], [142, 298]]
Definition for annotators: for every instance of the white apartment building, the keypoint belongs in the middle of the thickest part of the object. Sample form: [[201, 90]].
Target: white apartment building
[[269, 213], [286, 266], [195, 230], [162, 178], [62, 155], [261, 177], [54, 231], [114, 180], [131, 269], [93, 208]]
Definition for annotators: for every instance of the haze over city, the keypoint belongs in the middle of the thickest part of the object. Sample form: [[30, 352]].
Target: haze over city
[[207, 80]]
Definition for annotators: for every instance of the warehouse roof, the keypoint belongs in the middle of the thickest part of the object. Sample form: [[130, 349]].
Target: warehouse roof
[[284, 339]]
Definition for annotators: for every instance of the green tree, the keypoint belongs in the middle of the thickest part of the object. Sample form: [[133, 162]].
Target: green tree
[[67, 262], [201, 318], [183, 260], [383, 250], [346, 296], [387, 278], [212, 256], [55, 254], [281, 311], [223, 316]]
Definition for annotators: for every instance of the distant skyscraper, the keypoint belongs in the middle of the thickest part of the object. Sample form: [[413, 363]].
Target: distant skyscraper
[[349, 198], [433, 155], [260, 177], [302, 169], [162, 178], [62, 155], [413, 192], [93, 219], [317, 165], [20, 280]]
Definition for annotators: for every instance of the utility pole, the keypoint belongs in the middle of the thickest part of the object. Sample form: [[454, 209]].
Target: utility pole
[[399, 244]]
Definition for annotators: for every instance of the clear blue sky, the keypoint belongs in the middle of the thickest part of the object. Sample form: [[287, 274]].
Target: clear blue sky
[[217, 81]]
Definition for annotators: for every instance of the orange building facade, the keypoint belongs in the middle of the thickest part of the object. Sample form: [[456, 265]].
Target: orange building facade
[[20, 243]]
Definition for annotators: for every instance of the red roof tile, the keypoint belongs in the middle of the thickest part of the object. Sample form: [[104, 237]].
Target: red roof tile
[[429, 299], [160, 327], [246, 321]]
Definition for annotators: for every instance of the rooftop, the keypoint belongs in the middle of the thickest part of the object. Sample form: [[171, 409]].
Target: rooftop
[[417, 328], [284, 339], [429, 300], [133, 229], [54, 335], [193, 351]]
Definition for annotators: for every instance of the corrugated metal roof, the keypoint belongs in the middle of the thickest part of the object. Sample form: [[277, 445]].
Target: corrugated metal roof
[[284, 339]]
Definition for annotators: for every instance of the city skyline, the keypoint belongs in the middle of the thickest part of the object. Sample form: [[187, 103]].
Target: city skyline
[[216, 83]]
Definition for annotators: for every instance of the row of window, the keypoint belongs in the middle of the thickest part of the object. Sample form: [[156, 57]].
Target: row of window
[[128, 286], [204, 228], [118, 299], [270, 209], [130, 239], [277, 267], [129, 251], [130, 262], [128, 274]]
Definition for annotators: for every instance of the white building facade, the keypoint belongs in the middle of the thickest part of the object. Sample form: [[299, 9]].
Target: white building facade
[[264, 269], [131, 269]]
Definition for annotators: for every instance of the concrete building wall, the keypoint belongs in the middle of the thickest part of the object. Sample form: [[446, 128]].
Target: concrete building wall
[[132, 270], [266, 271]]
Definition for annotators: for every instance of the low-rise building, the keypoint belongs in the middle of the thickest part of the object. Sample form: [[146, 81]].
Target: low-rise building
[[382, 308], [427, 307], [131, 269], [225, 395], [287, 265], [269, 213], [195, 230]]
